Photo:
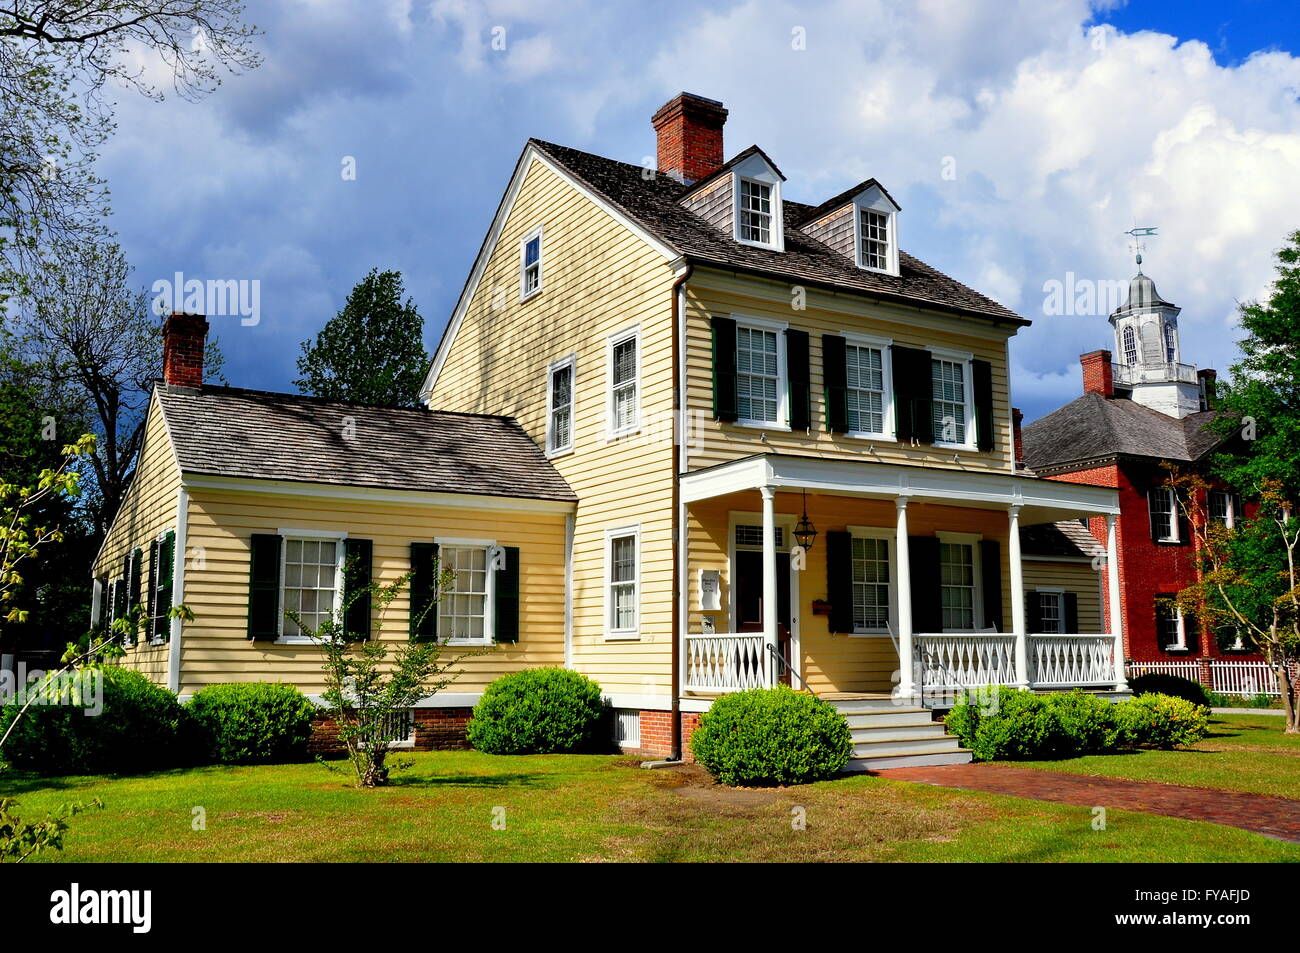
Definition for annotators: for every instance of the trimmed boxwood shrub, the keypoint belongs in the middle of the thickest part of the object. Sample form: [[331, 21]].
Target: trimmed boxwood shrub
[[768, 736], [252, 722], [1161, 684], [142, 728], [538, 711], [1163, 721], [1014, 724]]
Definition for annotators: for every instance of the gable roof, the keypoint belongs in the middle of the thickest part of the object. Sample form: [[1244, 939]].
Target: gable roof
[[726, 167], [1092, 427], [1066, 538], [232, 432], [844, 198], [654, 204]]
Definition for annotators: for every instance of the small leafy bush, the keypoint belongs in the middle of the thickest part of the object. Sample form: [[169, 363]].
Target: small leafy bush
[[142, 728], [252, 723], [1002, 724], [1162, 721], [768, 736], [538, 711], [1175, 685]]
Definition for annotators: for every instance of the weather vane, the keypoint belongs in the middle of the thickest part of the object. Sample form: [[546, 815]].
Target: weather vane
[[1136, 233]]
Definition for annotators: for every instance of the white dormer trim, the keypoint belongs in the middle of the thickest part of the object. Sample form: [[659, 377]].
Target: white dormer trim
[[756, 169], [875, 199]]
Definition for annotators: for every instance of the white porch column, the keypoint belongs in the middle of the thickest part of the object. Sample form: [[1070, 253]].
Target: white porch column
[[905, 687], [769, 581], [1018, 623], [1116, 608]]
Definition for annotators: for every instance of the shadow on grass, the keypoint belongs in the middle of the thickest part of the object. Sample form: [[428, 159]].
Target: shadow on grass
[[469, 781]]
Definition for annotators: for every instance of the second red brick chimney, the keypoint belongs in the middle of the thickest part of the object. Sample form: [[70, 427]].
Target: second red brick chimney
[[184, 336], [1018, 435], [1098, 375], [689, 129]]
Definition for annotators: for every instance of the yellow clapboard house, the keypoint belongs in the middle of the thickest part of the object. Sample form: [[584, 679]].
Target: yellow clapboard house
[[685, 435]]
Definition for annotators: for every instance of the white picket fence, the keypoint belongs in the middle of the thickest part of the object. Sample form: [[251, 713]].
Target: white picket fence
[[1227, 676]]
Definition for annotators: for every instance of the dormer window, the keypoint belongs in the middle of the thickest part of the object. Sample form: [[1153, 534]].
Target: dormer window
[[874, 249], [756, 201], [755, 212]]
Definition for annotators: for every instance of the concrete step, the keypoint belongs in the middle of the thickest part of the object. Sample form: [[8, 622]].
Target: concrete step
[[914, 759], [885, 747], [929, 729], [886, 718], [847, 705]]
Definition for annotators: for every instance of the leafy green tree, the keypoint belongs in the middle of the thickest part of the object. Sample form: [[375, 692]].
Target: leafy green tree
[[371, 352]]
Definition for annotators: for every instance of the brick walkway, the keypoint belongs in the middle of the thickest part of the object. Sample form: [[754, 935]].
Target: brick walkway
[[1275, 817]]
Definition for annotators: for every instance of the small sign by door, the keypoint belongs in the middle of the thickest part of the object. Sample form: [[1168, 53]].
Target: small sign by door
[[710, 590]]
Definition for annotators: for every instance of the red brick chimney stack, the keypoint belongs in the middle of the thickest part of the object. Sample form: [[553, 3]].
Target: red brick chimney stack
[[689, 129], [184, 336], [1098, 375], [1016, 418]]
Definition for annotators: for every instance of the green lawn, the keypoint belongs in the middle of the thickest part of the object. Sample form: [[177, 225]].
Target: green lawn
[[1242, 753], [591, 808]]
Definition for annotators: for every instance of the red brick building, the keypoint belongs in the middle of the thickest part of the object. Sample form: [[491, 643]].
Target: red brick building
[[1136, 412]]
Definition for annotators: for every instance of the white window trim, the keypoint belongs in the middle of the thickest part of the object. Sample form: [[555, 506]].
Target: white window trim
[[1175, 524], [489, 588], [1181, 644], [891, 538], [965, 358], [779, 328], [1231, 510], [755, 169], [340, 557], [541, 262], [977, 576], [1059, 592], [612, 341], [571, 362], [891, 225], [634, 633], [853, 339]]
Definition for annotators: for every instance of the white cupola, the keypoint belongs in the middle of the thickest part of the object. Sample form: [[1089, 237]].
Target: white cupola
[[1148, 365]]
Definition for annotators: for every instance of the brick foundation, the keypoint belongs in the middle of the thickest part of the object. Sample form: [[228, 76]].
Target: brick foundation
[[436, 729], [657, 733]]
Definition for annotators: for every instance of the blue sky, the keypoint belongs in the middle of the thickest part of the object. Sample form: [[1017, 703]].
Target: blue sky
[[1080, 122]]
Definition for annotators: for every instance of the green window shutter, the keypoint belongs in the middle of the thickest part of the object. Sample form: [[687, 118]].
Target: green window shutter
[[424, 610], [725, 405], [927, 606], [166, 571], [505, 607], [127, 589], [264, 586], [105, 605], [982, 388], [913, 393], [151, 612], [835, 378], [137, 561], [358, 562], [839, 580], [797, 374], [991, 582], [1033, 611], [1071, 613]]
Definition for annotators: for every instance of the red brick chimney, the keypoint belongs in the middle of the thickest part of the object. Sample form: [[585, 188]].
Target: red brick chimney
[[1098, 375], [689, 128], [183, 338], [1018, 438]]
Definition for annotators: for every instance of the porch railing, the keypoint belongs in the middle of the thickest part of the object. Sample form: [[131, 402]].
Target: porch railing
[[1071, 661], [725, 663], [950, 662]]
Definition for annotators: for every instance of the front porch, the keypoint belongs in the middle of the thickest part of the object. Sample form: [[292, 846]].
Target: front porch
[[912, 590]]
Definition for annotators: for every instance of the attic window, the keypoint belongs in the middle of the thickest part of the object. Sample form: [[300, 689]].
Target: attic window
[[874, 245], [755, 212], [530, 264]]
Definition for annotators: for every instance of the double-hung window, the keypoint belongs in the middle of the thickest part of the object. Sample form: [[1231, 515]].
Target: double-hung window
[[1051, 612], [624, 410], [865, 396], [622, 610], [1170, 628], [1163, 506], [951, 401], [871, 576], [1222, 508], [1170, 349], [755, 218], [559, 407], [873, 234], [464, 611], [312, 574], [957, 585], [530, 264], [758, 375], [1130, 347]]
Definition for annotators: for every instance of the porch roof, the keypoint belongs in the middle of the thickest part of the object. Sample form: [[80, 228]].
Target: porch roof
[[1041, 500]]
